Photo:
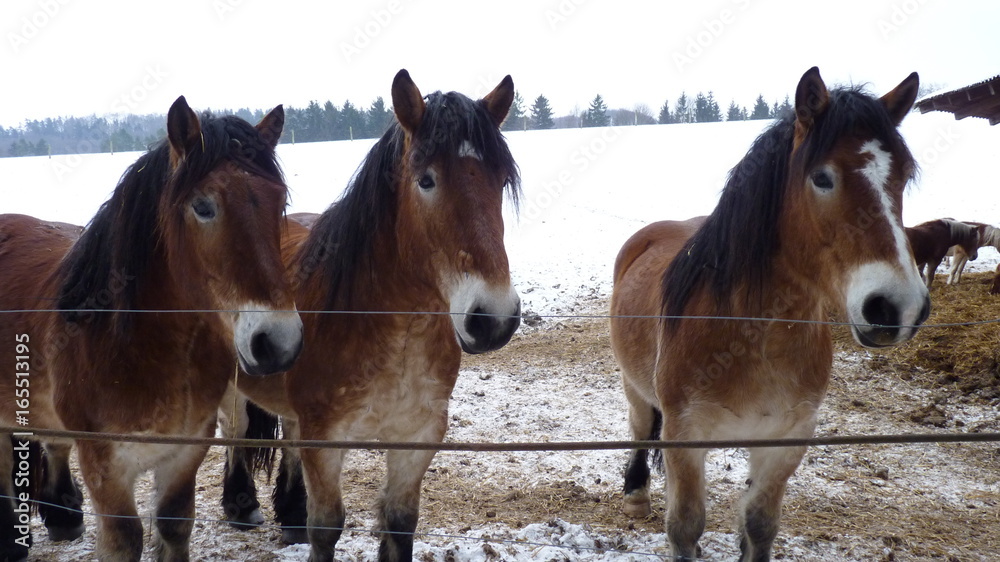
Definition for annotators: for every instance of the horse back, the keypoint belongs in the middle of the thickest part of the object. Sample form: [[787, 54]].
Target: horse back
[[30, 252], [639, 270]]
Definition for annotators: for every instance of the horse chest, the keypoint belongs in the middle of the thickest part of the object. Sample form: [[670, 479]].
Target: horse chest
[[405, 388]]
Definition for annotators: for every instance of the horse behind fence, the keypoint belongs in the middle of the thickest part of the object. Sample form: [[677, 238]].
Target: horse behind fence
[[779, 251]]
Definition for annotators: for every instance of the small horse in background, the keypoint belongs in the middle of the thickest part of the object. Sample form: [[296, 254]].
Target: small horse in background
[[784, 247], [931, 240], [988, 235], [194, 225], [411, 265]]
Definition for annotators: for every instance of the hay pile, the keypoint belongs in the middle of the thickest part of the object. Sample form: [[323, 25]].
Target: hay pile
[[961, 361]]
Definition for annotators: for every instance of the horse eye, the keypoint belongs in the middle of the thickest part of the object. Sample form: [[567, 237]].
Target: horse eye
[[822, 180], [204, 208], [426, 182]]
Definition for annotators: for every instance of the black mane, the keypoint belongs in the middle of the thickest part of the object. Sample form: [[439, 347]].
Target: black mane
[[340, 245], [107, 267], [738, 240]]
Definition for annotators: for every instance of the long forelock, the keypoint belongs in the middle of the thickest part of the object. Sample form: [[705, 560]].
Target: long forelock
[[107, 266], [735, 245], [452, 123]]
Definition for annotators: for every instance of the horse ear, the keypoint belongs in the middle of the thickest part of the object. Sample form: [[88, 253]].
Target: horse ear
[[899, 101], [183, 130], [407, 102], [271, 125], [498, 101], [811, 100]]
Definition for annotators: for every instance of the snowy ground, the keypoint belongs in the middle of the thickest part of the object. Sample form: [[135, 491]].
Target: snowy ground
[[586, 191]]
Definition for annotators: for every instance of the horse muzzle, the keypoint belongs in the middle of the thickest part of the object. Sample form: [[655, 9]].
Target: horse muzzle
[[267, 341], [485, 318], [884, 306]]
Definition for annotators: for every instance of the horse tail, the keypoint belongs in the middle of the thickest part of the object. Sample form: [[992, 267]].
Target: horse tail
[[654, 435], [261, 425]]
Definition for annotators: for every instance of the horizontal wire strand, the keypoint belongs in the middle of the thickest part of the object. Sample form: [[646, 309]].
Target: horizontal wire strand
[[522, 316], [829, 440]]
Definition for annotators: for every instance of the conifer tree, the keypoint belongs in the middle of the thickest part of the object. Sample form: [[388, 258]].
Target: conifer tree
[[541, 114]]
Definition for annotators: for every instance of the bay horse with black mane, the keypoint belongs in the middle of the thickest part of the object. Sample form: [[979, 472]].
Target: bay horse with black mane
[[137, 325], [931, 240], [410, 269], [809, 222]]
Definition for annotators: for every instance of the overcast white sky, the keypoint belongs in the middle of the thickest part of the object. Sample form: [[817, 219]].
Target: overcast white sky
[[69, 57]]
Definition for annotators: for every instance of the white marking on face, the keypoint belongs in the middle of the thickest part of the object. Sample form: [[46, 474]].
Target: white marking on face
[[282, 327], [472, 293], [877, 171], [467, 150]]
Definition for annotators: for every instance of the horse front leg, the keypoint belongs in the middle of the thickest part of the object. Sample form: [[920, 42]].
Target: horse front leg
[[60, 495], [175, 501], [398, 504], [110, 474], [685, 491], [238, 417], [289, 496], [321, 469], [931, 270], [770, 469]]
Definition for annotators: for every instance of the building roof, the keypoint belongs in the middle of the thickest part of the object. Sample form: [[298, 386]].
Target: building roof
[[977, 100]]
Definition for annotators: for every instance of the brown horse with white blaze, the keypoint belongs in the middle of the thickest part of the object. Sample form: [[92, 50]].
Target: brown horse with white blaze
[[809, 222], [410, 264], [137, 324]]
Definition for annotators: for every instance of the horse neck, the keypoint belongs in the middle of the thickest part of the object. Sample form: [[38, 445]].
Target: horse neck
[[990, 236]]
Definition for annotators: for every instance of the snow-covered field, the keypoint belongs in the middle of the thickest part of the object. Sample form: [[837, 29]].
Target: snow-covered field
[[586, 191]]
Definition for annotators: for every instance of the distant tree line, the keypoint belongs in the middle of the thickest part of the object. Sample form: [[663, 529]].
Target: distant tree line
[[328, 122]]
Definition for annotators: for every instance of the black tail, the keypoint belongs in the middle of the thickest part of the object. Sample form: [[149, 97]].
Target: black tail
[[262, 425]]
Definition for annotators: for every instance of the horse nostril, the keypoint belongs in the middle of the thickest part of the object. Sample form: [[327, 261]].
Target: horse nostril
[[925, 311], [879, 310], [478, 323], [262, 348]]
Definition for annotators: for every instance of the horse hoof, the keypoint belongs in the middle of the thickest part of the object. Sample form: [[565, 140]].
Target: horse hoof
[[61, 534], [251, 520], [294, 536], [637, 504]]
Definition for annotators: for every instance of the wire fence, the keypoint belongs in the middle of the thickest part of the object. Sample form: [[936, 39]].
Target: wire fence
[[522, 316], [548, 446], [485, 447]]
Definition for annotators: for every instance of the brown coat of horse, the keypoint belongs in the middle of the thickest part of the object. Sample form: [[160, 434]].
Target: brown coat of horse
[[718, 323], [194, 225], [409, 269]]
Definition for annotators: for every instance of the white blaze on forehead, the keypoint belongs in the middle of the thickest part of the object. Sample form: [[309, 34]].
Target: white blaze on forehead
[[466, 149], [877, 171]]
